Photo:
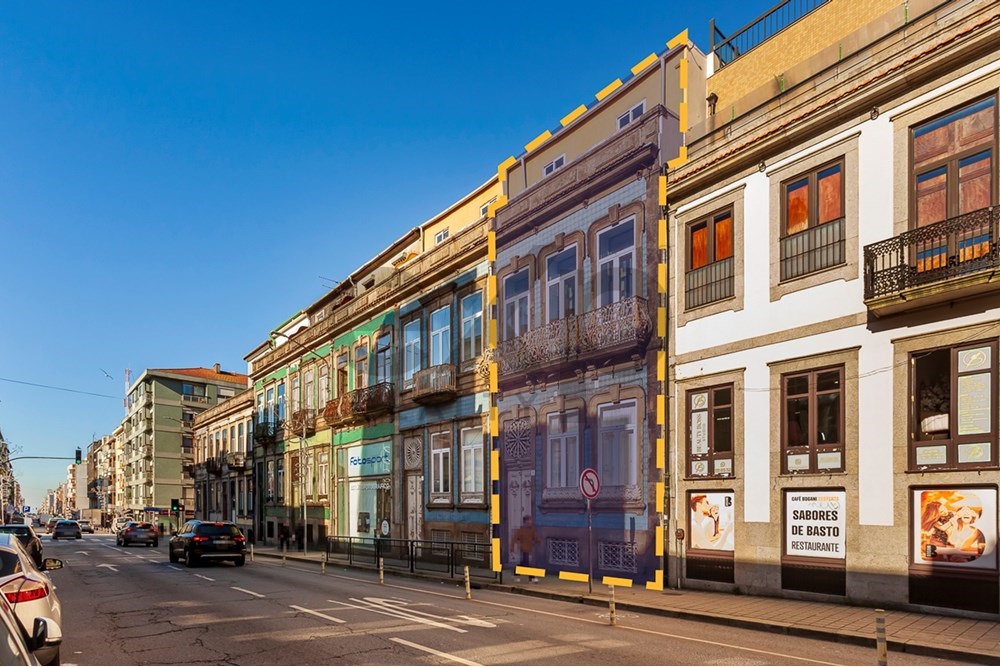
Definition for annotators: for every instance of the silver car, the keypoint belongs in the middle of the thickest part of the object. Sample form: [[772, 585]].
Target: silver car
[[29, 591], [68, 529]]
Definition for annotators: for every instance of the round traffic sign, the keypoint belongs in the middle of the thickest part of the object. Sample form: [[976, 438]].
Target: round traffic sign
[[590, 483]]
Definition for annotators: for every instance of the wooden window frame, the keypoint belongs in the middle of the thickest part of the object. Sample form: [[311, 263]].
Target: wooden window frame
[[711, 407], [813, 449]]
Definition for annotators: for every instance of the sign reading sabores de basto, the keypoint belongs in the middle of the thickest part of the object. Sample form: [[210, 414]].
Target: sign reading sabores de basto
[[815, 524]]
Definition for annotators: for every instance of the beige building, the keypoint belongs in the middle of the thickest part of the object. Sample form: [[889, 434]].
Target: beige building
[[223, 462], [833, 235]]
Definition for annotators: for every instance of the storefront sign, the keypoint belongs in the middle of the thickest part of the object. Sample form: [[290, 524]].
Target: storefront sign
[[815, 524], [368, 460], [711, 520], [955, 527]]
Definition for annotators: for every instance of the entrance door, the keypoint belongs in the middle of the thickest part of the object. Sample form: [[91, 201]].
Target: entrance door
[[520, 492], [415, 507]]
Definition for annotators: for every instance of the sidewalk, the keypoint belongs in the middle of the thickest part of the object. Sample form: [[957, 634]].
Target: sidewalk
[[947, 637]]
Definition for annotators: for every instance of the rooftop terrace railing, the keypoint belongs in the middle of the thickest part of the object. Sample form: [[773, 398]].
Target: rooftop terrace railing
[[759, 30]]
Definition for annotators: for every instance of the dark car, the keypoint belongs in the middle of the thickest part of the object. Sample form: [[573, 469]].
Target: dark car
[[32, 543], [209, 540], [67, 528], [138, 532], [51, 523]]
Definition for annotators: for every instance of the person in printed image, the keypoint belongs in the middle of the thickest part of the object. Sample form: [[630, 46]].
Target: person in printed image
[[707, 530], [964, 534]]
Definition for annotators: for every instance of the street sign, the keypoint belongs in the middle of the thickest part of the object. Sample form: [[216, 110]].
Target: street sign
[[25, 509], [590, 483]]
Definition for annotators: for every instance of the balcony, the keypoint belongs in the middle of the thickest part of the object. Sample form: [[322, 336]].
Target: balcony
[[436, 384], [191, 398], [266, 428], [304, 419], [947, 261], [235, 459], [619, 327], [360, 405]]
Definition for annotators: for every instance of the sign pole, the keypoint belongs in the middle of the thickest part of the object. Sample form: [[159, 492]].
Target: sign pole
[[590, 486], [590, 550]]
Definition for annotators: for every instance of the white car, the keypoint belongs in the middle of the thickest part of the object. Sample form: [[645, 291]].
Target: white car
[[29, 591], [119, 523]]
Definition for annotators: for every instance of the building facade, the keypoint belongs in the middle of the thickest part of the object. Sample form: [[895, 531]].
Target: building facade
[[836, 325], [222, 468]]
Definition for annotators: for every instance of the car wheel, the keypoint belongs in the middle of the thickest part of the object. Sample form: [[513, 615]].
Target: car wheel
[[156, 544], [240, 562], [54, 538], [190, 559], [173, 556]]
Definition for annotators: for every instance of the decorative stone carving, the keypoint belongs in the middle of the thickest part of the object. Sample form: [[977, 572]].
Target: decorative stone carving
[[517, 440], [413, 453]]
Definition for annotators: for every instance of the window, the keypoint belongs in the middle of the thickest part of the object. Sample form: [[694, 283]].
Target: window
[[323, 475], [280, 480], [411, 351], [953, 163], [361, 367], [485, 208], [562, 450], [617, 454], [515, 304], [615, 247], [472, 462], [261, 416], [281, 401], [440, 236], [270, 481], [441, 465], [472, 326], [249, 432], [710, 432], [271, 414], [324, 384], [813, 421], [710, 260], [554, 166], [193, 389], [812, 210], [342, 383], [953, 394], [241, 442], [296, 387], [383, 358], [441, 336], [560, 276], [309, 388], [631, 115]]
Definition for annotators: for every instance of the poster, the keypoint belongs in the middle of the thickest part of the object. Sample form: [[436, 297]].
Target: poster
[[955, 527], [815, 524], [711, 520]]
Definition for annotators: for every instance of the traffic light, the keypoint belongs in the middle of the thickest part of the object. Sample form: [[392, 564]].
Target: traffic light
[[79, 455], [175, 505]]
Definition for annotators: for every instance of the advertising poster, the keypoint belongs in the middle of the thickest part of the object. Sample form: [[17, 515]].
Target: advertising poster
[[815, 524], [956, 527], [712, 515]]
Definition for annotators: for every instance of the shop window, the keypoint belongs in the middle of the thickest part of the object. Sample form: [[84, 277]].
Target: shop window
[[813, 421], [710, 432]]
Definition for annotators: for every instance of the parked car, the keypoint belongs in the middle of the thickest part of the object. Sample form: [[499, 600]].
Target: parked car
[[67, 528], [86, 526], [138, 532], [209, 540], [30, 591], [32, 543], [20, 642]]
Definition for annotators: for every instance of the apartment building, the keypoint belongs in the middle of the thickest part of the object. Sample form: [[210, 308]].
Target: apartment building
[[833, 235], [578, 311], [157, 439], [222, 467]]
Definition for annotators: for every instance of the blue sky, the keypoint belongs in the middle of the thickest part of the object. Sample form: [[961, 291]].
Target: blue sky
[[178, 178]]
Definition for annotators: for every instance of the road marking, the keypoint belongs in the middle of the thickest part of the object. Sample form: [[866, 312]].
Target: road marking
[[396, 613], [109, 566], [85, 553], [243, 590], [204, 577], [440, 654], [316, 613], [174, 567]]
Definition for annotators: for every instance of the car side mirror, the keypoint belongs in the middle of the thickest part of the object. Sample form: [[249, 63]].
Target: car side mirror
[[52, 564], [45, 632]]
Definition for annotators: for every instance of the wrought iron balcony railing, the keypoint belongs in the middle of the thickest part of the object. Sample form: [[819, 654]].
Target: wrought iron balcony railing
[[434, 384], [709, 283], [617, 326], [302, 420], [360, 404], [266, 427], [815, 249], [955, 248]]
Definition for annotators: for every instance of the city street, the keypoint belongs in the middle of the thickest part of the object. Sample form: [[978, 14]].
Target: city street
[[127, 606]]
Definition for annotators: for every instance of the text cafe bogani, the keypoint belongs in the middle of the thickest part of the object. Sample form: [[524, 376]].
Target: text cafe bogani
[[369, 460]]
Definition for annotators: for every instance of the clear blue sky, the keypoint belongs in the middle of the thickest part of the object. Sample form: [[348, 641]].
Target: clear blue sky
[[175, 178]]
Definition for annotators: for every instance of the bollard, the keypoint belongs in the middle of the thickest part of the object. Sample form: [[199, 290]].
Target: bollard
[[322, 567], [284, 554], [381, 570], [468, 589], [880, 649], [251, 553], [612, 603]]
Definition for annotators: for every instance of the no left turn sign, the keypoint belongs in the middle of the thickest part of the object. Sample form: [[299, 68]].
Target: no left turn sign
[[590, 483]]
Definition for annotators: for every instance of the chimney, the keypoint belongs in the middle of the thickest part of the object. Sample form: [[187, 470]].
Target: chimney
[[217, 368]]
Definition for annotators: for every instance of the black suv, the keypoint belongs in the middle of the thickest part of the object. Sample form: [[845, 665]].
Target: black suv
[[215, 540]]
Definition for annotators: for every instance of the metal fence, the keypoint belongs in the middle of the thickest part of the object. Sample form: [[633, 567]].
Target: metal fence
[[444, 558], [760, 29]]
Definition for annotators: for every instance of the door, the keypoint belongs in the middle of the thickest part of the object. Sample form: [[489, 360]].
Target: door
[[414, 507], [520, 492]]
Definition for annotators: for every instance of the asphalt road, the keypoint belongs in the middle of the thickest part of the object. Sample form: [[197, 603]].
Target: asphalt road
[[131, 606]]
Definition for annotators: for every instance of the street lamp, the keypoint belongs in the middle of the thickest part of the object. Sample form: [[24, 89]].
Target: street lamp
[[304, 436]]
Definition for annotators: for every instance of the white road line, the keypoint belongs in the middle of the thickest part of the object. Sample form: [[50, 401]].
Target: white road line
[[396, 613], [204, 577], [440, 654], [243, 590], [316, 613], [174, 567]]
